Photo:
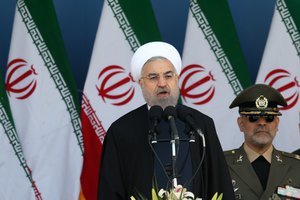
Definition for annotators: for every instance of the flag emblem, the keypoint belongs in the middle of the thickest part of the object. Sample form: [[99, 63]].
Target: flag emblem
[[21, 79], [197, 84], [286, 84], [115, 85]]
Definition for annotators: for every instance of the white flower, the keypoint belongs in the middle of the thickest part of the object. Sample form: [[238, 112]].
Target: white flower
[[177, 193]]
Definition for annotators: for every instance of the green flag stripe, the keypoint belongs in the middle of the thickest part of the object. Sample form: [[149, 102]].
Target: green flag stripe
[[221, 35], [49, 42], [141, 21], [124, 24], [293, 7], [291, 20]]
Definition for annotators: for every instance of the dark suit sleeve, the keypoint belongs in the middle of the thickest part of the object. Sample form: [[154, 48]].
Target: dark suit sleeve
[[110, 178], [127, 162]]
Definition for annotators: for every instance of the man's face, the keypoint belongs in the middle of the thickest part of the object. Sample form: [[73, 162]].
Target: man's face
[[159, 83], [259, 131]]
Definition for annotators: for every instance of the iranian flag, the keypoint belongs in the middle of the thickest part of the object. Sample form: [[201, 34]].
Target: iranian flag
[[280, 68], [16, 180], [42, 96], [214, 68], [109, 90]]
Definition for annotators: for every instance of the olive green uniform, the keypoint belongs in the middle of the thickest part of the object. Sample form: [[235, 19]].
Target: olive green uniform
[[297, 152], [284, 170]]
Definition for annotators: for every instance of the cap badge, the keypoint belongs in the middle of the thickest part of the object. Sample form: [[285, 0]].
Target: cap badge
[[261, 102]]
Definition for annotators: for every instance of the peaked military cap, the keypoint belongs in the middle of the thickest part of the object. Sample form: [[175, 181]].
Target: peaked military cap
[[259, 99]]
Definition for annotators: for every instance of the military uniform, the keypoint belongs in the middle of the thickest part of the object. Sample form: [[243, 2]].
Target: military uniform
[[284, 170], [261, 172]]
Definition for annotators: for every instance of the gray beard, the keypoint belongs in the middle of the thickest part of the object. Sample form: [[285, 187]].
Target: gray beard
[[170, 101]]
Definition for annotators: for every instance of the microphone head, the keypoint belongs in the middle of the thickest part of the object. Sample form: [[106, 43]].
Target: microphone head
[[155, 113], [183, 111], [169, 111]]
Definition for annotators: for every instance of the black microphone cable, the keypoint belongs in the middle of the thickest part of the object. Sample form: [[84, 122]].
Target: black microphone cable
[[185, 115], [155, 116], [198, 168], [159, 161]]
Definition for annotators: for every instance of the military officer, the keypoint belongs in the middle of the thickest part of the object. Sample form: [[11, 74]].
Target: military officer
[[258, 170]]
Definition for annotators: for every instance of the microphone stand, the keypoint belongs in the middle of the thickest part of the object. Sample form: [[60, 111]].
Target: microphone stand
[[174, 143], [174, 159]]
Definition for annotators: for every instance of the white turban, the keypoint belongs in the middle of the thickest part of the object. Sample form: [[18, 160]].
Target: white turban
[[153, 49]]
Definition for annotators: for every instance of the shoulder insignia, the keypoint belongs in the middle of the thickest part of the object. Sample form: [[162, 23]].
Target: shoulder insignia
[[229, 152], [291, 155]]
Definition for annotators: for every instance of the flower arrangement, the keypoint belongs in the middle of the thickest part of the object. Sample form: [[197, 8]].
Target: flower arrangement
[[177, 193]]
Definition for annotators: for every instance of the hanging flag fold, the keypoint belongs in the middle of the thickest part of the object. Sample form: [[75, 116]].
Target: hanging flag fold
[[44, 105], [16, 180], [280, 68], [214, 67]]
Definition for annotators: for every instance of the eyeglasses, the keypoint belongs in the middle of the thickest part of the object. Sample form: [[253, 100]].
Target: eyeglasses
[[154, 78], [255, 118]]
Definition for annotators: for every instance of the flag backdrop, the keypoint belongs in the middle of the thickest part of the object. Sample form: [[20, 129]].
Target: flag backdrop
[[109, 90], [42, 96], [280, 68], [214, 68], [16, 180]]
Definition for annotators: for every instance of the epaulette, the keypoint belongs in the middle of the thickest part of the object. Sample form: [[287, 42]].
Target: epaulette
[[229, 152], [291, 155]]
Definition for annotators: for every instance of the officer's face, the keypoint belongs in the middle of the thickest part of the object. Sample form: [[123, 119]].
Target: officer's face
[[159, 83], [259, 131]]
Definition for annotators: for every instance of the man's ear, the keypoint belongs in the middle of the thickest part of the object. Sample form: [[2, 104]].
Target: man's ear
[[140, 82], [240, 123]]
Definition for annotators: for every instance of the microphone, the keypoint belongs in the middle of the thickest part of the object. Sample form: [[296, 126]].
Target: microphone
[[170, 114], [155, 115], [185, 115]]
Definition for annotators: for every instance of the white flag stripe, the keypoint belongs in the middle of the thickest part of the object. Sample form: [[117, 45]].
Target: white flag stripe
[[110, 49]]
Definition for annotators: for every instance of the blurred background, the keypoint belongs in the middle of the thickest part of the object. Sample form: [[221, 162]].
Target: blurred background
[[79, 20]]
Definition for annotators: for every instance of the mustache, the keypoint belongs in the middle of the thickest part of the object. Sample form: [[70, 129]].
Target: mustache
[[161, 90], [261, 129]]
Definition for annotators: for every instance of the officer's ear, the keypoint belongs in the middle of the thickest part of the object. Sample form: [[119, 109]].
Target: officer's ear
[[240, 122]]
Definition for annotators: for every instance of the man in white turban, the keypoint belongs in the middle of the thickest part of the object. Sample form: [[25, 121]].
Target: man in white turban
[[135, 150], [156, 67]]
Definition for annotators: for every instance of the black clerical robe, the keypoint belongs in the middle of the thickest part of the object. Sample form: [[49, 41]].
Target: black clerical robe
[[127, 164]]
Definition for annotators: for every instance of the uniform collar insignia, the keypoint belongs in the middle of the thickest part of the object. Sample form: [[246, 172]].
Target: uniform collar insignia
[[240, 159], [278, 158]]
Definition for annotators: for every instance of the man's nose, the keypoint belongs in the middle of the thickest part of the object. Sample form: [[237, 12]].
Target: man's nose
[[162, 81], [261, 120]]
